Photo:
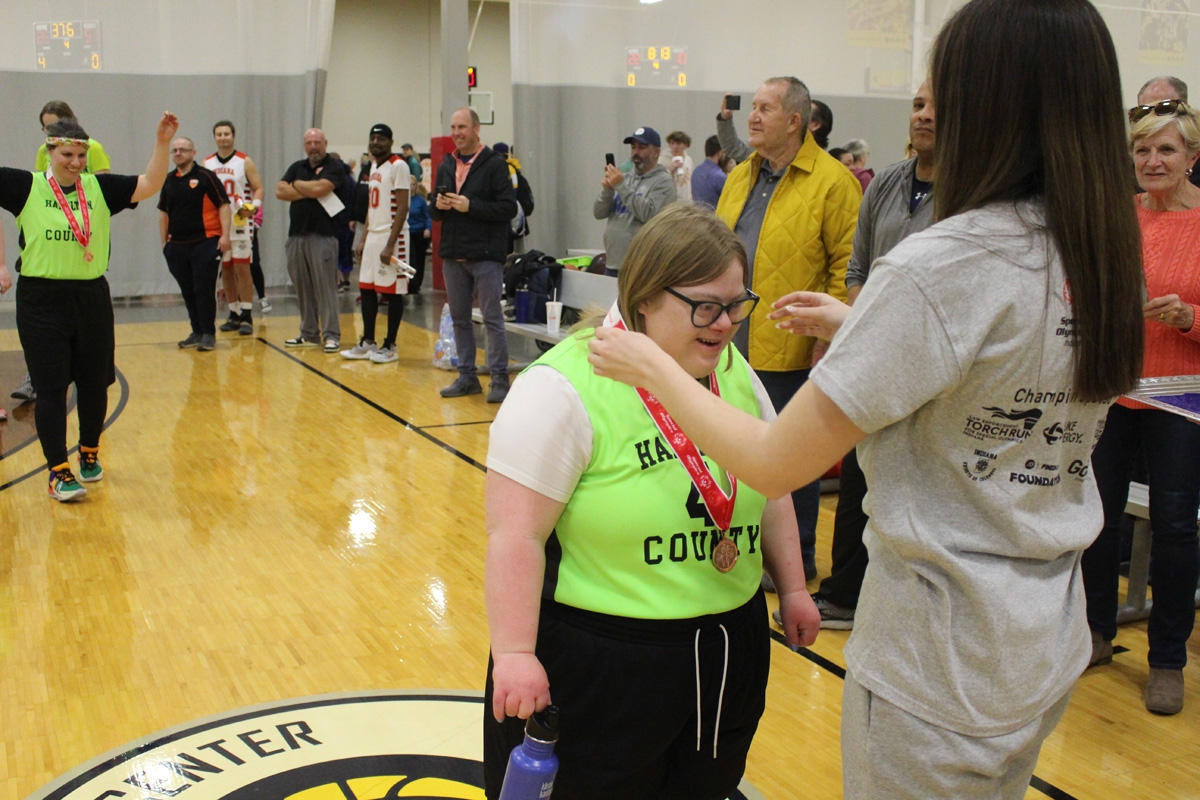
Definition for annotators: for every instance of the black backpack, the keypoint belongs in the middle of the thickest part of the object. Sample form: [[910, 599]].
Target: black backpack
[[540, 274]]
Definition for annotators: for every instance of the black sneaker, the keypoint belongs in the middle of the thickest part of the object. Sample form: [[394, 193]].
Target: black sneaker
[[498, 390], [463, 386], [208, 342], [192, 340], [230, 324], [245, 325]]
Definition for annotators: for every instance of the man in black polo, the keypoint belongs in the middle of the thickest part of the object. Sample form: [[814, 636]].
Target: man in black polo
[[312, 185], [193, 223], [474, 199]]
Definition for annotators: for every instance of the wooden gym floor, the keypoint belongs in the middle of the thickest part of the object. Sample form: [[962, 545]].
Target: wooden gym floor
[[277, 524]]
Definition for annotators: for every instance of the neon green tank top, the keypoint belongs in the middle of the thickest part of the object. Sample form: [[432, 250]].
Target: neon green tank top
[[51, 250], [635, 539]]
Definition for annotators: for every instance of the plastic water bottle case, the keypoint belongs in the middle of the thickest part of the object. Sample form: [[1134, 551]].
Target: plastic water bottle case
[[532, 764]]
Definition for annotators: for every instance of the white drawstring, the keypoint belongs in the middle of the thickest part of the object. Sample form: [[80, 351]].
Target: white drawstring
[[720, 696], [697, 690]]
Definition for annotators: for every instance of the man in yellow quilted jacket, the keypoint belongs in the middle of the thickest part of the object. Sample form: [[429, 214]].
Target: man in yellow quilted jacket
[[795, 208]]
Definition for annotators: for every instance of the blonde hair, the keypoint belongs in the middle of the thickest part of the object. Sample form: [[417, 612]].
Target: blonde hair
[[1184, 121]]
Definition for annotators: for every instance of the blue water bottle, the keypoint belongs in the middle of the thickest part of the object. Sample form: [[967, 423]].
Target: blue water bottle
[[522, 304], [532, 765]]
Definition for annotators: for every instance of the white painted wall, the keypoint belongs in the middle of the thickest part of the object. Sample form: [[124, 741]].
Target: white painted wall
[[385, 66]]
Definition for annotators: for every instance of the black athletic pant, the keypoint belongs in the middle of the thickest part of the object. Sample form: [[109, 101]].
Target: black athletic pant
[[418, 246], [66, 330], [256, 273], [195, 266], [370, 309], [627, 690], [848, 552]]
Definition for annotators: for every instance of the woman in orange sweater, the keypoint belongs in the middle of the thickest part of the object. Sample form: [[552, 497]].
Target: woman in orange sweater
[[1165, 142]]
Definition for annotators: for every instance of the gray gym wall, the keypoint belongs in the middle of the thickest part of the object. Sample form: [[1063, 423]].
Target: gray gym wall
[[265, 71]]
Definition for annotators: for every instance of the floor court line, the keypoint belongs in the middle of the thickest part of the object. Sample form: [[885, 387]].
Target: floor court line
[[363, 398]]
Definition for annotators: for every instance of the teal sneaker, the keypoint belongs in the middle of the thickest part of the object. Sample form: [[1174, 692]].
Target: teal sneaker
[[89, 466], [63, 486]]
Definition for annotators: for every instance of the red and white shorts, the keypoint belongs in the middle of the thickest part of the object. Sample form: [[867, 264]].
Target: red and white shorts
[[373, 273]]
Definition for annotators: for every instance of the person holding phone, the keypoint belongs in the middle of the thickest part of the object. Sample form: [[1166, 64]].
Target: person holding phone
[[474, 201], [976, 344], [628, 200]]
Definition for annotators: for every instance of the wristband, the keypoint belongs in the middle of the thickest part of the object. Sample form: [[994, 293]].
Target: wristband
[[257, 204]]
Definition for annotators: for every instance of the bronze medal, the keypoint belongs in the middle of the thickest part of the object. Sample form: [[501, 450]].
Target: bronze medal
[[724, 554], [87, 256]]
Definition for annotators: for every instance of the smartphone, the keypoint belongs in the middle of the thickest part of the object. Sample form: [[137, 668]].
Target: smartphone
[[444, 190], [733, 102], [610, 159]]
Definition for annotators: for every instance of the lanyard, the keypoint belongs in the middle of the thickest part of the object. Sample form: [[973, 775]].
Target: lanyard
[[719, 505], [82, 234]]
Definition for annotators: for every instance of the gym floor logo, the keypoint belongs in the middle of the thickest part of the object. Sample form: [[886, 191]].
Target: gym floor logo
[[354, 746]]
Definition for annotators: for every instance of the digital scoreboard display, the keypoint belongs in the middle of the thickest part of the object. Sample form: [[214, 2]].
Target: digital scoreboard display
[[67, 46], [656, 65]]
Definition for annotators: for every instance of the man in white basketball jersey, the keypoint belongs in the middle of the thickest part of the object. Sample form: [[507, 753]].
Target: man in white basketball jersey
[[245, 189], [387, 238]]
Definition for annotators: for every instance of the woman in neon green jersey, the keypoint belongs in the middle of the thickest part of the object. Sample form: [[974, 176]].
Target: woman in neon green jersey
[[623, 567], [64, 311]]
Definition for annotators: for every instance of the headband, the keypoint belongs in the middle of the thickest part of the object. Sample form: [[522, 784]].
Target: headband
[[54, 141]]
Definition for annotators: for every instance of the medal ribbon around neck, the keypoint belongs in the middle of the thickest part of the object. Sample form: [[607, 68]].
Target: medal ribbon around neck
[[719, 505], [82, 234]]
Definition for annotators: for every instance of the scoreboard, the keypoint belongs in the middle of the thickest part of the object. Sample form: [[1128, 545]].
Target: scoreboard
[[71, 46]]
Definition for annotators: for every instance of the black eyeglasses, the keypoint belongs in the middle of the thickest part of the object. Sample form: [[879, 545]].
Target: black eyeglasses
[[706, 312], [1163, 108]]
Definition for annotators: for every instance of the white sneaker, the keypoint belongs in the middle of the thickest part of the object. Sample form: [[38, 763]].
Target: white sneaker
[[264, 306], [363, 349], [385, 355]]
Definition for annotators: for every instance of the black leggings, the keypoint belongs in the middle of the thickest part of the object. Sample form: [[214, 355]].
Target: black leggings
[[50, 416], [66, 329], [370, 308]]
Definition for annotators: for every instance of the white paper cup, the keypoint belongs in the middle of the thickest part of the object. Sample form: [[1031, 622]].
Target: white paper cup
[[553, 316]]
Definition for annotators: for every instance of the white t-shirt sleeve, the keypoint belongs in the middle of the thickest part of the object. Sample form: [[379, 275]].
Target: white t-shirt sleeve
[[892, 355], [766, 409], [542, 435]]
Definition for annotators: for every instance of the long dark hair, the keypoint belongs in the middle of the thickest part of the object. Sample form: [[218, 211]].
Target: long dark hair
[[1029, 104]]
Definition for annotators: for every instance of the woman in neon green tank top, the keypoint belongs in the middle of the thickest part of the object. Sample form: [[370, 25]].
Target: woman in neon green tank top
[[64, 312], [623, 574]]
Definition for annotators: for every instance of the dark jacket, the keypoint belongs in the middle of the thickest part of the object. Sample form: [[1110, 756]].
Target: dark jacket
[[481, 234]]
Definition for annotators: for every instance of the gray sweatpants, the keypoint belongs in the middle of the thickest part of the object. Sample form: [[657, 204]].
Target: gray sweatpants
[[463, 280], [888, 753], [312, 266]]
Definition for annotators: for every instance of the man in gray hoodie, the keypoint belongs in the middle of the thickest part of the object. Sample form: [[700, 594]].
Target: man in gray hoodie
[[629, 199]]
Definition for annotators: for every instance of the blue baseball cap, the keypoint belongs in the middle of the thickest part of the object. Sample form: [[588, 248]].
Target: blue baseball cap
[[644, 136]]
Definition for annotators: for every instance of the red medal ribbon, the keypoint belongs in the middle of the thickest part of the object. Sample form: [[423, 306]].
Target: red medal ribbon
[[82, 234], [719, 504]]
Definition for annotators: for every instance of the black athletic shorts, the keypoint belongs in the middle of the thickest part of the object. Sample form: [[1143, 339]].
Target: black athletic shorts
[[627, 692], [66, 330]]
